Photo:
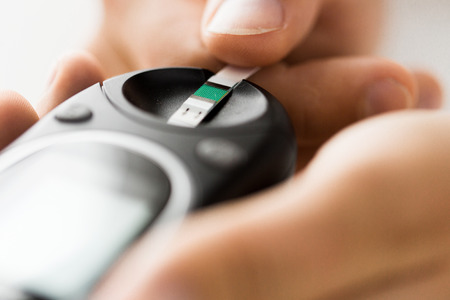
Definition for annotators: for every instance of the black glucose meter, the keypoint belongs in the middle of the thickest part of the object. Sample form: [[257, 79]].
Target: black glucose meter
[[103, 167]]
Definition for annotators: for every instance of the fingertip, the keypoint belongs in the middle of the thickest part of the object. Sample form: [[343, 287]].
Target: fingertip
[[389, 87], [430, 94], [256, 32], [16, 116], [73, 72], [384, 95]]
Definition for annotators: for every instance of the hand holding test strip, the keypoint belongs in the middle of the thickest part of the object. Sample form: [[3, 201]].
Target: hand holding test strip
[[316, 70]]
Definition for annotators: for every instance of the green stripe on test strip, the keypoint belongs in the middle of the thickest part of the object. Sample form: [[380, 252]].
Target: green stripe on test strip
[[211, 92]]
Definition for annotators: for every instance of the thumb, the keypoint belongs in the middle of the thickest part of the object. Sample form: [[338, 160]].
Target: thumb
[[253, 249], [256, 32], [357, 226], [325, 235]]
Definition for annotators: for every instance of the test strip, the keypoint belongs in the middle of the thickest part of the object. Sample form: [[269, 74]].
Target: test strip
[[201, 103]]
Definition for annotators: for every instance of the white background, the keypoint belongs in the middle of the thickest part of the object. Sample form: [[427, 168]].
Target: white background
[[418, 35], [33, 33]]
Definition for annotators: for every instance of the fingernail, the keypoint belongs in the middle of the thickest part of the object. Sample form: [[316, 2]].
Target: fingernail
[[173, 293], [247, 17], [429, 98], [386, 95]]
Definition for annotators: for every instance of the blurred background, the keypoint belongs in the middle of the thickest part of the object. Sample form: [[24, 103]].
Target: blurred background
[[33, 34]]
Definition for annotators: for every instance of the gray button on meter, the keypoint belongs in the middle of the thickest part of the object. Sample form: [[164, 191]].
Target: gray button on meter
[[221, 153], [74, 113]]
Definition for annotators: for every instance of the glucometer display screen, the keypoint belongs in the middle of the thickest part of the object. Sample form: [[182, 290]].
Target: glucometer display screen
[[68, 211]]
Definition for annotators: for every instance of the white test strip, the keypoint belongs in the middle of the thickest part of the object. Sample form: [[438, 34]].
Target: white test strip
[[215, 89]]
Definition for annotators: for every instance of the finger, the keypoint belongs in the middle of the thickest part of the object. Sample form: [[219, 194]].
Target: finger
[[430, 94], [324, 96], [16, 116], [72, 74], [256, 32], [261, 32]]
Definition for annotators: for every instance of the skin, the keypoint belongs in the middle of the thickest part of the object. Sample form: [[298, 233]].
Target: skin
[[365, 217]]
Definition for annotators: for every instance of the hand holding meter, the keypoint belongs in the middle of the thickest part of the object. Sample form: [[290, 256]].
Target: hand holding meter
[[137, 151]]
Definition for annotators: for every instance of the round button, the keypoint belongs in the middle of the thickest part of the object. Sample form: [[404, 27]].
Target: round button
[[221, 153], [74, 113]]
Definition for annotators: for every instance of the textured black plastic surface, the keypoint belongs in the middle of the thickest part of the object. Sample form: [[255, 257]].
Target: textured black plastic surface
[[155, 93]]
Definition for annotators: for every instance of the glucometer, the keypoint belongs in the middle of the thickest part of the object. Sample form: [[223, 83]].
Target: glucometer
[[136, 152]]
